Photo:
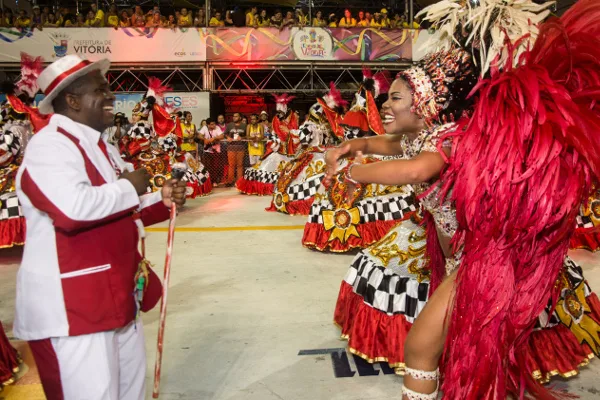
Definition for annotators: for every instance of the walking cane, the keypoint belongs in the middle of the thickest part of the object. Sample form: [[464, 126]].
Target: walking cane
[[177, 172]]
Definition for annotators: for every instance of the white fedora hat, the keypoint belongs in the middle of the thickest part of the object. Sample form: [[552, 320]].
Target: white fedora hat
[[63, 72]]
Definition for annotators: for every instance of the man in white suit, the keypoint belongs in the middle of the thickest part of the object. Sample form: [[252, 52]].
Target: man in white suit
[[77, 303]]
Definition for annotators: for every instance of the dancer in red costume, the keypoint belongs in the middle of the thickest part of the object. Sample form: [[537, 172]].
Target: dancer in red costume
[[563, 338], [260, 179], [339, 221]]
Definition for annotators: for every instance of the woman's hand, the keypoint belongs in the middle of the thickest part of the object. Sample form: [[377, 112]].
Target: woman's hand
[[332, 158]]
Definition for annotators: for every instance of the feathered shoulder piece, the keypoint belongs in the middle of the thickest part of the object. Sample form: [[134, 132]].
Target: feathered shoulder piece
[[156, 90], [283, 99], [484, 26], [31, 68], [333, 99], [378, 83]]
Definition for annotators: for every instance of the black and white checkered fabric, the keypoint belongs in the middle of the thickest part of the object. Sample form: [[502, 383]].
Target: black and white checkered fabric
[[575, 276], [199, 176], [252, 174], [386, 291], [10, 207], [372, 209], [305, 189], [168, 143], [352, 132], [10, 143], [141, 130], [584, 221], [305, 133]]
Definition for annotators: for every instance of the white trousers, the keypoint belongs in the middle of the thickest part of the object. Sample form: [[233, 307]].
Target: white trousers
[[102, 366]]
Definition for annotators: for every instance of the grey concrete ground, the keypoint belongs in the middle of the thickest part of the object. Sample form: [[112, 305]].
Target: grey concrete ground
[[243, 303]]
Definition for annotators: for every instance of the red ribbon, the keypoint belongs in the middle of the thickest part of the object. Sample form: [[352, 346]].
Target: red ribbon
[[66, 74]]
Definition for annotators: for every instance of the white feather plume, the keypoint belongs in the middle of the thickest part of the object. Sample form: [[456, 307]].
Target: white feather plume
[[487, 24]]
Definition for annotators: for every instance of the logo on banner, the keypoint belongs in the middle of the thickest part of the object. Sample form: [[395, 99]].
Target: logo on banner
[[61, 43], [183, 101], [313, 44], [179, 53], [92, 46]]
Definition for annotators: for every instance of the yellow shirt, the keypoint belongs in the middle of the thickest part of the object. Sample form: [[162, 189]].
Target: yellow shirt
[[255, 149], [189, 133], [113, 20], [250, 19], [405, 25], [89, 22], [316, 22], [185, 20], [68, 24], [100, 17], [333, 24], [23, 23], [347, 24], [216, 22], [363, 23], [265, 22], [377, 24]]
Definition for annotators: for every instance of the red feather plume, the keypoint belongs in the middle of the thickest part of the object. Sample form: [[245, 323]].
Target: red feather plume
[[31, 68], [520, 168], [156, 89]]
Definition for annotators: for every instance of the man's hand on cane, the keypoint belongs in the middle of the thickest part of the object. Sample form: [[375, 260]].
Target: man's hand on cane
[[173, 191]]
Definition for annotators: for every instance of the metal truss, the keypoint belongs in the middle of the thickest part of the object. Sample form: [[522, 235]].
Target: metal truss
[[298, 78], [180, 79]]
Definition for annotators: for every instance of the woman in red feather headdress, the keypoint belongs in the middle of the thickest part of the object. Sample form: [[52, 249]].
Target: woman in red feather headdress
[[521, 312]]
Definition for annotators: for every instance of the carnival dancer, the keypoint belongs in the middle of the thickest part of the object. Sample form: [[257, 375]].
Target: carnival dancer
[[83, 205], [260, 179], [587, 233], [339, 223], [571, 329], [19, 120], [300, 177]]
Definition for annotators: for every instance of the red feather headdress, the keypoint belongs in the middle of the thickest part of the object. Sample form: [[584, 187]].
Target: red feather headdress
[[333, 98], [282, 101], [31, 68]]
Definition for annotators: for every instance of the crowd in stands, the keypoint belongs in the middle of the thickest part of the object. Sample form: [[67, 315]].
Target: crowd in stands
[[186, 18]]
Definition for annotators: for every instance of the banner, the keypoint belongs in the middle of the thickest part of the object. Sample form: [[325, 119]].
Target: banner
[[148, 45], [311, 44], [123, 45]]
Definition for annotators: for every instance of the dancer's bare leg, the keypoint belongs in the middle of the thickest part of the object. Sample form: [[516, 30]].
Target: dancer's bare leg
[[425, 344]]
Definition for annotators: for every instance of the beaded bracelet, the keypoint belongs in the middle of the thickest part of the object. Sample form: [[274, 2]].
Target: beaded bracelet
[[348, 174]]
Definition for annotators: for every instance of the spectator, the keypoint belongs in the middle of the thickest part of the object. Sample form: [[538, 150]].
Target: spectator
[[114, 133], [221, 122], [369, 18], [60, 16], [139, 21], [301, 18], [155, 22], [256, 134], [377, 22], [51, 21], [203, 123], [69, 21], [112, 18], [124, 20], [251, 17], [170, 22], [190, 133], [238, 17], [211, 136], [185, 19], [91, 19], [362, 21], [415, 25], [45, 14], [216, 20], [98, 16], [264, 121], [23, 21], [289, 20], [138, 11], [384, 18], [200, 19], [235, 133], [318, 20], [332, 20], [277, 19], [80, 21], [9, 19], [347, 21], [150, 14], [396, 22], [36, 20], [262, 20], [228, 19]]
